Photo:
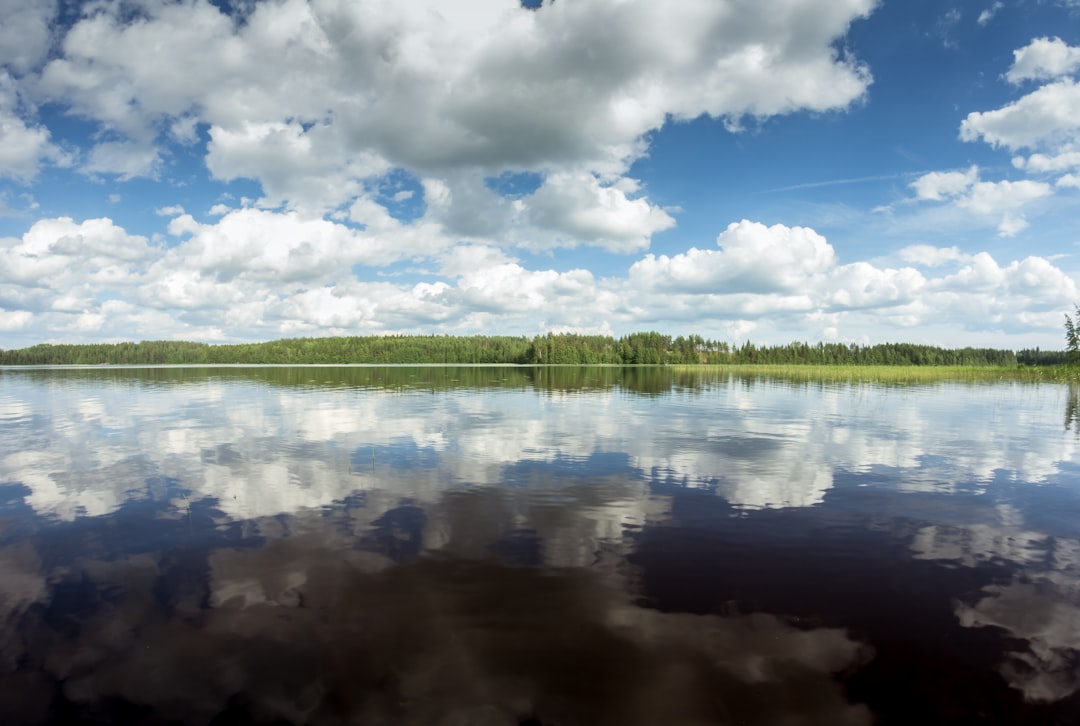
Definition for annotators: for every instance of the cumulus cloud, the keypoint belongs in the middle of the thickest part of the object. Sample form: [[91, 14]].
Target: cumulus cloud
[[939, 185], [24, 144], [861, 285], [989, 198], [260, 244], [382, 137], [124, 159], [22, 147], [1044, 122], [316, 99], [566, 210], [574, 207], [1043, 59], [930, 256], [793, 273], [1002, 199], [25, 35], [753, 258], [1009, 297], [309, 168], [467, 258], [14, 320], [1066, 158], [1047, 116], [57, 251], [322, 102], [102, 73], [255, 273]]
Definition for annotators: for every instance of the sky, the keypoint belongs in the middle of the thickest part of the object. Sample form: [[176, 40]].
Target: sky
[[822, 170]]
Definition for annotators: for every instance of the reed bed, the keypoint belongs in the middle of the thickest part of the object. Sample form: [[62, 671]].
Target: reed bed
[[895, 374]]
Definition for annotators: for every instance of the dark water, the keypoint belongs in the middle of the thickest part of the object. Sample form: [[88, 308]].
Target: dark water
[[560, 546]]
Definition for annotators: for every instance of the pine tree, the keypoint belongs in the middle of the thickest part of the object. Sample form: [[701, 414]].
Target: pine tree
[[1072, 335]]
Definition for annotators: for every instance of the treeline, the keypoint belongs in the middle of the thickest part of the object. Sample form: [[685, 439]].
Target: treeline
[[649, 348], [370, 349]]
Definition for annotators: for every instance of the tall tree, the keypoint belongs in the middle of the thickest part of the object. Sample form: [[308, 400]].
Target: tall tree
[[1072, 335]]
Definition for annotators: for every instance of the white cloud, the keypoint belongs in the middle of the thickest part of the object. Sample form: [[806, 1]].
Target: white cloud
[[25, 35], [125, 159], [102, 72], [1038, 279], [753, 258], [831, 298], [14, 320], [59, 269], [259, 274], [1001, 199], [263, 245], [861, 285], [576, 207], [1045, 121], [462, 207], [308, 168], [1043, 59], [939, 185], [312, 97], [462, 259], [930, 256], [55, 252], [567, 210], [1065, 158], [1004, 197], [1047, 116], [988, 14], [1012, 225], [24, 145], [1033, 282]]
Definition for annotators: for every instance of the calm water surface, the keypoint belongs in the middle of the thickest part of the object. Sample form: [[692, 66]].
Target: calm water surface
[[551, 546]]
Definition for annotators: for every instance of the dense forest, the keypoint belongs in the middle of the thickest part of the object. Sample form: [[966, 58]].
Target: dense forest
[[552, 349]]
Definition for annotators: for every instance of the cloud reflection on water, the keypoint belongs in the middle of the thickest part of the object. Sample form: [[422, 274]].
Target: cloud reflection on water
[[377, 541], [309, 628], [1039, 606], [292, 448]]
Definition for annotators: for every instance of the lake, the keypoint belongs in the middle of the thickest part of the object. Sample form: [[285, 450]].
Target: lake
[[461, 545]]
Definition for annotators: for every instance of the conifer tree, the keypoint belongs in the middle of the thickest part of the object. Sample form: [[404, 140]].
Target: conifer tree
[[1072, 335]]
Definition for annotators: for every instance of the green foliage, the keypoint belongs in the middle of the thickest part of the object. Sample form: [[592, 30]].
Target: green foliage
[[1072, 336], [646, 348], [372, 349]]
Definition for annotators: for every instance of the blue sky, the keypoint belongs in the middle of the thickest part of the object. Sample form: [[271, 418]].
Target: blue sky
[[842, 170]]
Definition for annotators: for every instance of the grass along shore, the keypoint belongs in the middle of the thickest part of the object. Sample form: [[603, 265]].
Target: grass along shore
[[895, 373]]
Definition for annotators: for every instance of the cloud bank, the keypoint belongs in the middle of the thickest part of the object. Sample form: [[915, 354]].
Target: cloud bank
[[428, 166]]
